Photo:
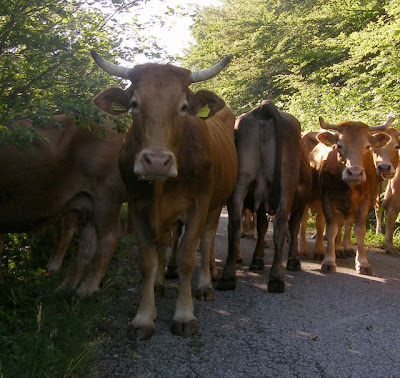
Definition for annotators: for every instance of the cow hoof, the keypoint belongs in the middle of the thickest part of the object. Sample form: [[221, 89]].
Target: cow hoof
[[184, 329], [340, 254], [257, 264], [319, 256], [159, 291], [171, 273], [214, 275], [226, 284], [366, 270], [276, 287], [328, 268], [139, 333], [390, 251], [349, 252], [207, 294], [293, 265]]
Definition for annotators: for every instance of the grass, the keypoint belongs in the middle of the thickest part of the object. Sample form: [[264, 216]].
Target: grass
[[44, 333]]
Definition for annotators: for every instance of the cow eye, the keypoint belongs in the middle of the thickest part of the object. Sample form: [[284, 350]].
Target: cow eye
[[397, 147], [185, 108], [368, 147], [134, 105], [339, 146]]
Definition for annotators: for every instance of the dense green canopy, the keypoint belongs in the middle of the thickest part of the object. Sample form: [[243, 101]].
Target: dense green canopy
[[335, 58]]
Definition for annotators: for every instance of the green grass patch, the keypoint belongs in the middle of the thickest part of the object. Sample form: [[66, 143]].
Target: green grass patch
[[44, 333]]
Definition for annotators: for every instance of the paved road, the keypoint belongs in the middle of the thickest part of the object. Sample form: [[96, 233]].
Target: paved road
[[338, 325]]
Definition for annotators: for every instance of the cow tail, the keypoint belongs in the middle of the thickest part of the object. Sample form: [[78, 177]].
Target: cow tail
[[271, 112]]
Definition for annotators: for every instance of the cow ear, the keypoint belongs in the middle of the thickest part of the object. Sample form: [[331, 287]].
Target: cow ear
[[114, 101], [327, 138], [205, 100], [379, 139]]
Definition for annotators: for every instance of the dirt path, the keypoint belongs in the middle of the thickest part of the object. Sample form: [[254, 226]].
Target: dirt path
[[339, 325]]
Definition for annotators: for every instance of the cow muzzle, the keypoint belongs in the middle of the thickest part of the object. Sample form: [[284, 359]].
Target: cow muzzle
[[156, 165], [385, 170], [353, 175]]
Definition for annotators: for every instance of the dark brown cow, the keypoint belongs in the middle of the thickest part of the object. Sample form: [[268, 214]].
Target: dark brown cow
[[75, 171], [274, 176], [175, 166], [348, 181]]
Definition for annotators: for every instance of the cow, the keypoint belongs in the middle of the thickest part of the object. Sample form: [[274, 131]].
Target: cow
[[274, 176], [69, 169], [385, 158], [391, 206], [348, 181], [175, 166]]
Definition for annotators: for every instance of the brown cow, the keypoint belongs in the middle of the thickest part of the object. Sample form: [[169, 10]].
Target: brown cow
[[274, 176], [175, 166], [385, 159], [348, 181], [73, 171]]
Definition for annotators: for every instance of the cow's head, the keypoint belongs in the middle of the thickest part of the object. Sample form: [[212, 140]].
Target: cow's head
[[353, 143], [386, 157], [160, 100]]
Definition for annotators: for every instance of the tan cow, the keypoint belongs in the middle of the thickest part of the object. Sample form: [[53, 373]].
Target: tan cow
[[175, 166], [348, 182], [385, 159], [73, 170], [274, 176]]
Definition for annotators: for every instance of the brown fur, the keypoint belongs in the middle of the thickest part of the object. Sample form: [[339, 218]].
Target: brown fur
[[76, 171], [197, 178]]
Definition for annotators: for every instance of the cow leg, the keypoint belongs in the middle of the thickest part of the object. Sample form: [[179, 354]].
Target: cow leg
[[347, 245], [184, 322], [204, 286], [235, 206], [172, 270], [361, 262], [262, 228], [66, 228], [293, 263], [142, 325], [108, 237], [319, 237], [86, 251], [329, 263], [276, 282], [378, 217], [391, 216], [159, 284], [338, 239], [303, 247]]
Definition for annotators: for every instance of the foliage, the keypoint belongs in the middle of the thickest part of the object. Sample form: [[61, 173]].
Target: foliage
[[45, 62], [332, 58]]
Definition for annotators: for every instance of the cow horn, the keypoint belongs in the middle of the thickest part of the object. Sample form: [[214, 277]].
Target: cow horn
[[111, 68], [210, 72], [384, 126], [327, 126]]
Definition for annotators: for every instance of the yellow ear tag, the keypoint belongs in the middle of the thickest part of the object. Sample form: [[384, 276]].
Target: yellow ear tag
[[118, 108], [203, 112]]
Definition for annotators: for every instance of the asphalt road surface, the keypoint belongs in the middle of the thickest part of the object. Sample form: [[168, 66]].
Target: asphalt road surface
[[324, 325]]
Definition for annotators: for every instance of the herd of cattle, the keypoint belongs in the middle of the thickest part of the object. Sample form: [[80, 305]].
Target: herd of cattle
[[186, 156]]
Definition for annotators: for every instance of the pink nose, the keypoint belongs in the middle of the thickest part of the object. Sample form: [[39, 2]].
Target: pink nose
[[353, 175], [156, 164]]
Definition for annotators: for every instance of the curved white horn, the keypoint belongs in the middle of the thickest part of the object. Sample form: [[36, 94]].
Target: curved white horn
[[384, 126], [210, 72], [111, 68], [326, 126]]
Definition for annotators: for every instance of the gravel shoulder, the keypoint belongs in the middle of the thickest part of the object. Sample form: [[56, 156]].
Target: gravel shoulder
[[336, 325]]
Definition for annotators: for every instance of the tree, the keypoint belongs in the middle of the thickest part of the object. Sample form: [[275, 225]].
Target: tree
[[45, 62], [333, 58]]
